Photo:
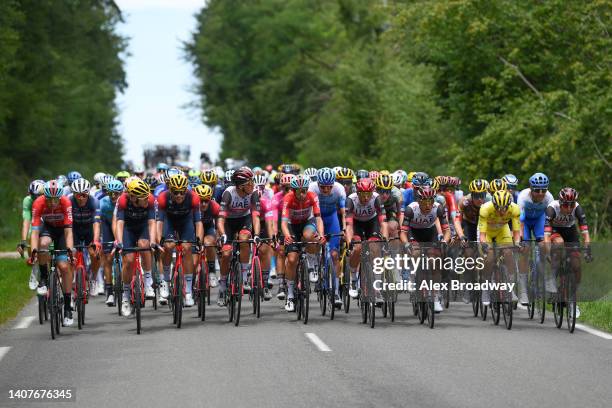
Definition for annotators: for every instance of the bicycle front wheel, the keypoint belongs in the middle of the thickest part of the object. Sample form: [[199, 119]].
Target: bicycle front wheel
[[507, 310], [80, 288], [137, 295]]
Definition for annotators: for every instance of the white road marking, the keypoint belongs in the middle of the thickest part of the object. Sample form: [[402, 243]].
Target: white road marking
[[593, 331], [521, 306], [314, 339], [3, 351], [25, 322]]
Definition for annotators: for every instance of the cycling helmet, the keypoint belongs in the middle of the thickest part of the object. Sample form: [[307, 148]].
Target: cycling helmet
[[365, 185], [242, 175], [228, 176], [296, 168], [300, 182], [454, 181], [403, 174], [204, 191], [178, 183], [425, 193], [162, 167], [410, 175], [61, 180], [501, 199], [174, 171], [286, 168], [194, 181], [511, 181], [129, 180], [73, 175], [79, 186], [435, 184], [568, 194], [421, 179], [115, 186], [139, 188], [194, 173], [398, 178], [311, 173], [538, 180], [151, 180], [53, 189], [373, 175], [98, 177], [139, 170], [36, 187], [106, 179], [326, 177], [260, 180], [286, 179], [345, 174], [257, 170], [362, 174], [209, 177], [497, 185], [479, 186], [384, 182], [122, 175]]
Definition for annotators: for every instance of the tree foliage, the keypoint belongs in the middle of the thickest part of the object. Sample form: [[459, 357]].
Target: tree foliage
[[469, 87]]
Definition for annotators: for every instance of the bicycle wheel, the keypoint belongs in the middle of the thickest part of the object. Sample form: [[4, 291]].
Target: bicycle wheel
[[41, 309], [507, 310], [557, 308], [179, 298], [372, 316], [322, 298], [384, 309], [475, 299], [495, 312], [306, 295], [118, 286], [79, 296], [201, 287], [257, 289], [364, 312], [54, 304], [422, 311], [430, 314], [137, 296], [238, 296], [392, 311], [570, 305], [483, 309], [346, 275]]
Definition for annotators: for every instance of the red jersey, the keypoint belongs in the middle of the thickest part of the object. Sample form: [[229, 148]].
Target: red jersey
[[451, 205], [60, 216], [297, 212]]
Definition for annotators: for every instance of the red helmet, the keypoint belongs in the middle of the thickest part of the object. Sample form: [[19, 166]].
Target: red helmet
[[373, 175], [365, 185], [568, 194], [286, 179], [242, 175], [425, 193]]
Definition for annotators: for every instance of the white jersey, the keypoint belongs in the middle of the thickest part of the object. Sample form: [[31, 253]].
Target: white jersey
[[363, 212], [420, 220]]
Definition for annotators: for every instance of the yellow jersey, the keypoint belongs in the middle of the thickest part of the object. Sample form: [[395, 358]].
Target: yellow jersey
[[490, 220]]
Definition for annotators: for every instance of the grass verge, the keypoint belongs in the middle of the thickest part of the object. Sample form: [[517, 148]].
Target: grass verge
[[597, 314], [14, 290]]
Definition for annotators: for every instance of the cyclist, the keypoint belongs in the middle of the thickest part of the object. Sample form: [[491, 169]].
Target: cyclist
[[365, 219], [107, 227], [512, 185], [135, 227], [560, 229], [311, 173], [178, 211], [101, 192], [86, 226], [425, 222], [345, 177], [139, 172], [97, 178], [194, 178], [447, 190], [268, 217], [419, 179], [493, 227], [209, 212], [285, 188], [332, 202], [71, 177], [301, 220], [122, 175], [35, 190], [391, 198], [238, 216], [210, 178], [52, 222]]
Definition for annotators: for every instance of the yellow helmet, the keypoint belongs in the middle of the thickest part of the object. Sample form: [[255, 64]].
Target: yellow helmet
[[204, 191], [411, 175], [479, 186], [384, 181], [435, 184], [209, 177], [384, 172], [501, 199], [497, 185], [139, 188], [345, 174], [178, 182]]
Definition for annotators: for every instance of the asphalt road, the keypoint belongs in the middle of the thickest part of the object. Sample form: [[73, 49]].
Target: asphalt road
[[462, 362]]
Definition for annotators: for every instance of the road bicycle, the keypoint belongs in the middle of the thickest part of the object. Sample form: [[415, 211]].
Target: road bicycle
[[536, 289], [326, 287], [564, 301], [79, 287], [501, 299], [177, 282], [137, 291], [55, 294], [233, 294], [201, 286], [368, 296]]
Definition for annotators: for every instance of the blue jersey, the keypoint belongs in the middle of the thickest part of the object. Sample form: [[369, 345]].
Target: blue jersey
[[87, 215], [530, 209], [219, 189], [107, 208], [100, 194], [330, 203], [408, 197], [159, 189]]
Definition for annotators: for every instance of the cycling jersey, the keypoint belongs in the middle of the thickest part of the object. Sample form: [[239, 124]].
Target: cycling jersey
[[107, 210], [297, 212], [26, 208], [134, 215], [218, 192], [160, 189], [414, 217], [332, 202], [451, 205], [59, 216], [393, 204], [490, 220], [234, 206], [364, 212], [555, 219], [209, 216], [85, 216], [529, 208], [98, 195], [187, 210], [408, 197], [267, 205], [468, 212]]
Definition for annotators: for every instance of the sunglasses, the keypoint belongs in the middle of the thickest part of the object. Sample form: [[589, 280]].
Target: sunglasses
[[426, 200], [81, 195], [300, 190], [179, 193], [346, 182], [479, 196], [539, 190], [384, 191], [364, 193], [568, 204]]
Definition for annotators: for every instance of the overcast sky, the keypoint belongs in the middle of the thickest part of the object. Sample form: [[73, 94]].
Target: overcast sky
[[159, 79]]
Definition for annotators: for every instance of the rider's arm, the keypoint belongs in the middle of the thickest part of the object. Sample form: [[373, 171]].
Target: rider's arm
[[26, 214], [405, 226], [255, 210], [349, 220], [550, 215], [582, 222], [443, 223]]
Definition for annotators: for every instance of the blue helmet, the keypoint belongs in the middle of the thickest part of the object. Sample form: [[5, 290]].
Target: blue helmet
[[74, 175], [162, 167], [194, 181], [511, 181], [421, 179], [173, 172], [114, 186], [326, 176], [538, 180]]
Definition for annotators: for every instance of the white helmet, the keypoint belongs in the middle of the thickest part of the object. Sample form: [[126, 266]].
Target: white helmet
[[80, 186], [98, 177], [139, 169], [397, 178]]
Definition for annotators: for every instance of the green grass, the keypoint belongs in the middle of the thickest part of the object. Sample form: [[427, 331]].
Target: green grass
[[597, 314], [14, 290]]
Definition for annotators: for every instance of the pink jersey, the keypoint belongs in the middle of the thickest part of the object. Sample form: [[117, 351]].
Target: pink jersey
[[266, 202], [277, 204]]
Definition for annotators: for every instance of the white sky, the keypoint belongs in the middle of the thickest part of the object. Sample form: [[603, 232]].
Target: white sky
[[159, 79]]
